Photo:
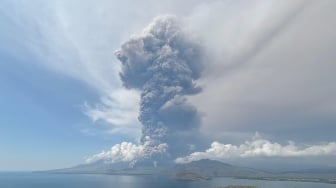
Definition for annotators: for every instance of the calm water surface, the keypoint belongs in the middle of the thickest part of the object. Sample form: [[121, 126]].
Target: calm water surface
[[35, 180]]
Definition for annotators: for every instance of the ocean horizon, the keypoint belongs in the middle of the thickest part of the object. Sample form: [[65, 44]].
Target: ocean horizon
[[39, 180]]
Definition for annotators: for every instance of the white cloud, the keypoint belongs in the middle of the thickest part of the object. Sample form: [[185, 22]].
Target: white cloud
[[119, 110], [259, 147], [72, 38], [129, 152], [66, 38]]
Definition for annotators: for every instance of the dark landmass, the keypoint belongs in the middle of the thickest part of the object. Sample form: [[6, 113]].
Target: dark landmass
[[101, 167], [204, 169], [211, 168], [189, 176], [237, 186]]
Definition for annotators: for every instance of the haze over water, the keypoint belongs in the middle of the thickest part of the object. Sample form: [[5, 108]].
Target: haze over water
[[37, 180]]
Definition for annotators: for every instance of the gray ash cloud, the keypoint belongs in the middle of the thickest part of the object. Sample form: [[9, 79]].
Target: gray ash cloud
[[163, 63]]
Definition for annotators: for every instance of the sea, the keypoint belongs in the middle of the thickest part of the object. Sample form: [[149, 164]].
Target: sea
[[43, 180]]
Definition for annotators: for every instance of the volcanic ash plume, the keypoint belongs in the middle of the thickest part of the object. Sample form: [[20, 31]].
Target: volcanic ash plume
[[163, 63]]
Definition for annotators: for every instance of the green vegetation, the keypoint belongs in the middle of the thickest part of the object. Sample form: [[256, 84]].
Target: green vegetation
[[189, 176], [237, 186], [316, 180]]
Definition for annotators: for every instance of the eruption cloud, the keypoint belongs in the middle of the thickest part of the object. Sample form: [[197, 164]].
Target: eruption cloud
[[128, 152], [163, 63]]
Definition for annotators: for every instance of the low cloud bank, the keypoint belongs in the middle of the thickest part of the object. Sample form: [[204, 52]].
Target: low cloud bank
[[129, 152], [259, 147]]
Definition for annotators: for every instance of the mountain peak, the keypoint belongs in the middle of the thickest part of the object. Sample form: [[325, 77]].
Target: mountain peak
[[209, 163]]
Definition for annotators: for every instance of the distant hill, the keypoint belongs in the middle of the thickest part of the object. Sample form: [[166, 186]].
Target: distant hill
[[204, 167], [200, 170], [211, 168], [102, 167]]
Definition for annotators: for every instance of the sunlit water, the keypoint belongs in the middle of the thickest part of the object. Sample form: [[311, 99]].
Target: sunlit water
[[35, 180]]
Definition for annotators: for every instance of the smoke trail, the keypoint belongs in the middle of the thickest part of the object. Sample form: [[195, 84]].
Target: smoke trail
[[163, 63]]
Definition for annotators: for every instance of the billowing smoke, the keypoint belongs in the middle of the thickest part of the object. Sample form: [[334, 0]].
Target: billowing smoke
[[129, 152], [163, 63]]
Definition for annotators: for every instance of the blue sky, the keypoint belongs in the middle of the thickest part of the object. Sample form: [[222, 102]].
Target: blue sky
[[43, 124], [40, 122], [267, 81]]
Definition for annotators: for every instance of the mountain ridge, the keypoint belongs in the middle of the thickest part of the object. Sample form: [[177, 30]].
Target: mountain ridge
[[203, 169]]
